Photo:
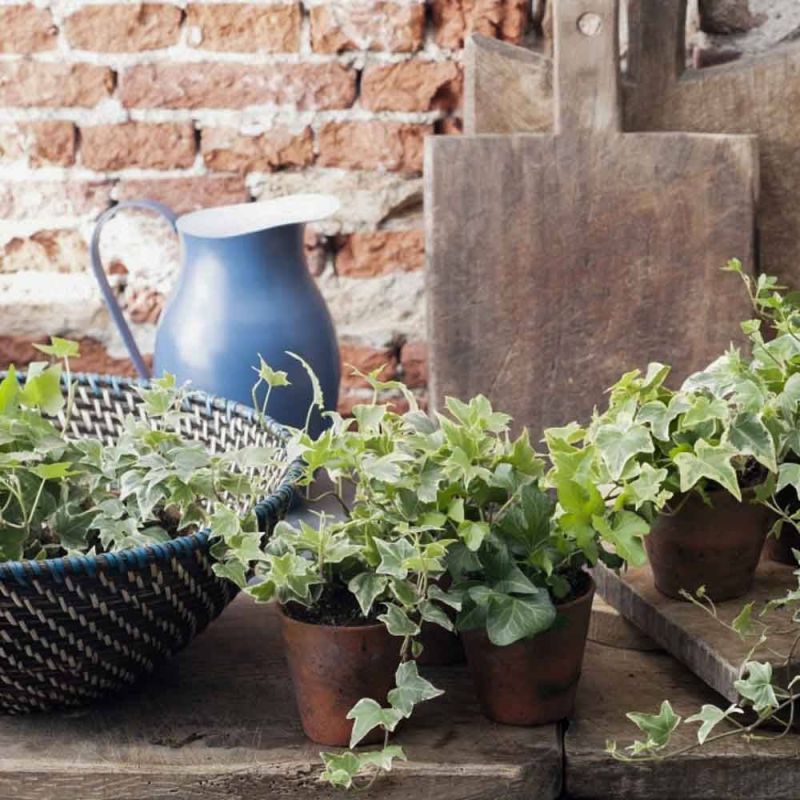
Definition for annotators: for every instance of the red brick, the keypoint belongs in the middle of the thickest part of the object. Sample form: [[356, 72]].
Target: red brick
[[59, 250], [224, 85], [412, 86], [341, 25], [19, 350], [394, 146], [144, 305], [185, 194], [31, 199], [365, 359], [123, 28], [455, 20], [316, 251], [366, 255], [245, 27], [26, 29], [51, 142], [414, 365], [227, 150], [147, 145], [31, 83]]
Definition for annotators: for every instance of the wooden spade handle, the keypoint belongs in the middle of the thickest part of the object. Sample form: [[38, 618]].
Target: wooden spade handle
[[586, 59]]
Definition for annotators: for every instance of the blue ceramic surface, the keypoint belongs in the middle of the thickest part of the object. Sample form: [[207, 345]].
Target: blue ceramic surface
[[244, 289]]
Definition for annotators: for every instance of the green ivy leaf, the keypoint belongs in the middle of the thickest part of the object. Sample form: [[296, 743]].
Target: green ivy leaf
[[342, 768], [625, 532], [708, 461], [510, 618], [59, 348], [743, 623], [657, 727], [367, 586], [43, 391], [368, 715], [748, 434], [272, 377], [410, 689], [397, 622], [473, 533], [618, 443], [393, 557], [54, 471]]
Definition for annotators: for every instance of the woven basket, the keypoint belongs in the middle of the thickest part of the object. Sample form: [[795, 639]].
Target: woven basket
[[75, 629]]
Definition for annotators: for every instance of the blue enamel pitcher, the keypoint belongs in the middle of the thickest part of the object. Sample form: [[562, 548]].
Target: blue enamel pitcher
[[244, 289]]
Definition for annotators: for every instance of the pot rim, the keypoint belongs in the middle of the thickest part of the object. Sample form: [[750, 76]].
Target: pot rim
[[346, 628]]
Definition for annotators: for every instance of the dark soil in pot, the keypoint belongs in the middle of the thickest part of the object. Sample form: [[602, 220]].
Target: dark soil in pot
[[334, 665], [533, 681], [715, 546]]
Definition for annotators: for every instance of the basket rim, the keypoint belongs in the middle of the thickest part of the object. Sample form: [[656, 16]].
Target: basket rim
[[267, 510]]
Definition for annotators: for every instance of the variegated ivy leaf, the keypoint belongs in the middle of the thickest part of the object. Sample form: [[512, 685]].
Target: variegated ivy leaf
[[659, 416], [757, 687], [647, 487], [710, 716], [367, 587], [708, 461], [704, 409], [749, 435], [410, 689], [393, 557], [367, 715], [473, 533], [430, 612], [59, 348], [342, 768], [657, 727], [397, 621], [743, 623], [625, 530], [618, 442], [272, 377], [788, 475]]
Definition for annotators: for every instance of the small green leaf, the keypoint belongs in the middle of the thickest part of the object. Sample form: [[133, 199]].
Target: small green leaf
[[708, 461], [397, 622], [757, 687], [368, 715], [620, 442], [473, 533], [410, 689], [52, 472], [710, 716], [657, 727], [743, 624], [272, 377], [367, 586], [59, 348]]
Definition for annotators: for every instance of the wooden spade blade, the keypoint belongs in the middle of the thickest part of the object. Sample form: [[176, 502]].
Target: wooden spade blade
[[558, 262]]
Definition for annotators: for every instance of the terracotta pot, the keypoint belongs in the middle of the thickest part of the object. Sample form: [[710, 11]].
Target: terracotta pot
[[713, 546], [533, 681], [332, 668], [780, 549]]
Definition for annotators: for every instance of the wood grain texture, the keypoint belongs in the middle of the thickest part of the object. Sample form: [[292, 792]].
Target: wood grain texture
[[220, 722], [616, 681], [507, 89], [691, 635], [758, 95], [558, 262]]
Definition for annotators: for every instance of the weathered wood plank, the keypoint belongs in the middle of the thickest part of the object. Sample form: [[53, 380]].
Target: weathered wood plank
[[616, 681], [220, 721], [692, 635], [607, 626]]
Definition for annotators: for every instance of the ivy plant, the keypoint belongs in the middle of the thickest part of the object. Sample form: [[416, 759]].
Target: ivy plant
[[61, 495]]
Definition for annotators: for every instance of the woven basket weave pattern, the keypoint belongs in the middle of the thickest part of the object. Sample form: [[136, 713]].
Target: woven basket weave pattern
[[75, 629]]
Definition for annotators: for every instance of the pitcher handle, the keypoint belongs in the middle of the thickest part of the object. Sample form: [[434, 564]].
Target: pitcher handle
[[102, 279]]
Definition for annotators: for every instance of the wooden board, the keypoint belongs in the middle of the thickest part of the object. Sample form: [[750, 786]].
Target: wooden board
[[759, 95], [556, 262], [608, 627], [691, 635], [616, 681], [220, 722]]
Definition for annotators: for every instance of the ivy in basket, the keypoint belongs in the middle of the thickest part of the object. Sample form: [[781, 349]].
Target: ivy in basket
[[61, 495], [444, 517]]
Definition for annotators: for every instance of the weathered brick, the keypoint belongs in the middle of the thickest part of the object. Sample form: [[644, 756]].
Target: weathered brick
[[32, 83], [412, 86], [123, 28], [185, 194], [245, 27], [35, 199], [51, 142], [19, 350], [365, 255], [138, 144], [144, 305], [58, 250], [365, 359], [224, 85], [228, 150], [26, 29], [413, 370], [341, 25], [395, 146], [455, 20]]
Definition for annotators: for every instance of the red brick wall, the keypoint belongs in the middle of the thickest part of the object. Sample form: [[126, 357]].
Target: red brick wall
[[203, 103]]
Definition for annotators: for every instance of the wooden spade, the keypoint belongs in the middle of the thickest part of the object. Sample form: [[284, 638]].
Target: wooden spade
[[556, 262]]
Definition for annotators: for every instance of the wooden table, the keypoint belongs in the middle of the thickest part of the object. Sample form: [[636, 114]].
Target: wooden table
[[220, 722]]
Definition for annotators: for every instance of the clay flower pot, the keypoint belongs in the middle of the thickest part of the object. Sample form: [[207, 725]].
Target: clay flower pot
[[533, 681], [780, 549], [714, 546], [332, 668]]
